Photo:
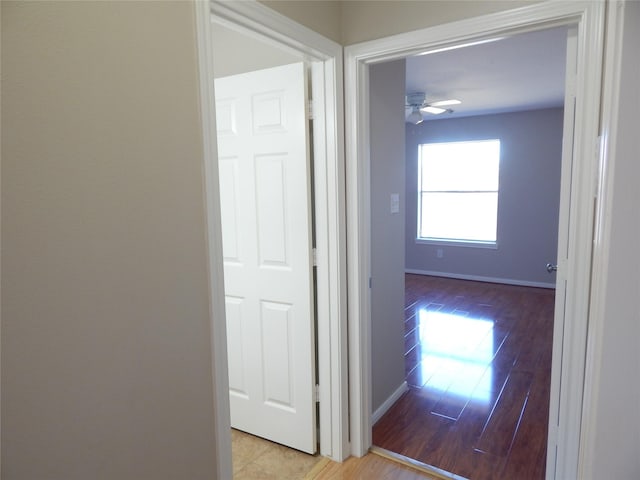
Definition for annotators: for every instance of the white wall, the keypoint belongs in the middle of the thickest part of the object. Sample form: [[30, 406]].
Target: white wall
[[387, 229], [618, 416], [106, 347], [530, 161]]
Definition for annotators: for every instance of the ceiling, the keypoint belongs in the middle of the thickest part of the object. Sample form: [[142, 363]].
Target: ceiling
[[521, 72]]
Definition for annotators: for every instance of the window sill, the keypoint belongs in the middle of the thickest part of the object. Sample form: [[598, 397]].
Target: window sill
[[457, 243]]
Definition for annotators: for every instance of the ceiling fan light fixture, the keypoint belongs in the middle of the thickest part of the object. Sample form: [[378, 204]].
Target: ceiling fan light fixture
[[433, 110], [415, 117], [416, 101], [415, 98]]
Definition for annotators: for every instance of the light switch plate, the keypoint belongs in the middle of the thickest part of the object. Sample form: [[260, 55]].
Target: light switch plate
[[395, 202]]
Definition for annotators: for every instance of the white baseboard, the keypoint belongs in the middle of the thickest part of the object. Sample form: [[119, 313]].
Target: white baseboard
[[479, 278], [388, 403]]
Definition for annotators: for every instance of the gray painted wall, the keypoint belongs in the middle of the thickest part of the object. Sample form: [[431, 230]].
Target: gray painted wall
[[106, 338], [387, 229], [531, 152], [618, 418]]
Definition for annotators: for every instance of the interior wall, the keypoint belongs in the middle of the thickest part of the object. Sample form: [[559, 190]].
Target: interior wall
[[386, 85], [236, 53], [65, 62], [106, 342], [322, 16], [353, 21], [528, 199], [618, 418], [372, 19]]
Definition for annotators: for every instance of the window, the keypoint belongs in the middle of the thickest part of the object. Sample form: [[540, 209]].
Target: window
[[458, 192]]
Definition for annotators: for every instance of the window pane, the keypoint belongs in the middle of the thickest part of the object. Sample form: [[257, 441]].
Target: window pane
[[460, 166], [459, 216]]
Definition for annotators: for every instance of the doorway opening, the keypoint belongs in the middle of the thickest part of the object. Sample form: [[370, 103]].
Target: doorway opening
[[482, 190], [265, 178], [265, 173], [575, 218], [261, 25]]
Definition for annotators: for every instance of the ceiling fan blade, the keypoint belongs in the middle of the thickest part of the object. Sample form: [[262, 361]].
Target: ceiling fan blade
[[445, 103], [433, 110]]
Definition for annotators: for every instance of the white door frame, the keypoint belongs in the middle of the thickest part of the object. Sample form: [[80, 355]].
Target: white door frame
[[602, 234], [326, 59], [568, 368]]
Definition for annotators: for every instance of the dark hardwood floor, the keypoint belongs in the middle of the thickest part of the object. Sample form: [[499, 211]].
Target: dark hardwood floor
[[478, 365]]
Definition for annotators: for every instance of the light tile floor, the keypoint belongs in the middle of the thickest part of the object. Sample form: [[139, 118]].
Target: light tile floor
[[257, 459]]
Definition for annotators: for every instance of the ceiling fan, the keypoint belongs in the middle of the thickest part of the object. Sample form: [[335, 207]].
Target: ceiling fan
[[416, 102]]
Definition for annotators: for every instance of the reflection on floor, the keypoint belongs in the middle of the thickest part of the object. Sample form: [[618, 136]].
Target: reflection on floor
[[257, 459], [478, 360]]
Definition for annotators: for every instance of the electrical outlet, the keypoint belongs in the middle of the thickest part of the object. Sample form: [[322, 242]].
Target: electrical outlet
[[439, 253]]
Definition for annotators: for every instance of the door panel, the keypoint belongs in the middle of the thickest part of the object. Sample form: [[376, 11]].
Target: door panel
[[266, 222], [272, 210], [229, 190]]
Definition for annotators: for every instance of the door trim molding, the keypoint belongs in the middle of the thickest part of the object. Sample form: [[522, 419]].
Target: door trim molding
[[589, 17], [602, 233], [219, 369], [325, 57]]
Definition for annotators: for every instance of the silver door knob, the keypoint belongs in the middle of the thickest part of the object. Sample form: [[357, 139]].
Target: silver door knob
[[551, 267]]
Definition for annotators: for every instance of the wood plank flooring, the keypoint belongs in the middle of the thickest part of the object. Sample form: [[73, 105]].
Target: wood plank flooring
[[369, 467], [478, 365]]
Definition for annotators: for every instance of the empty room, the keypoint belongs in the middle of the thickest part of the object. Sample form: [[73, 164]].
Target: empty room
[[465, 216]]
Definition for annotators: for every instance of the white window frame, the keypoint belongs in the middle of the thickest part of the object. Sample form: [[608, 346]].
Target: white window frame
[[450, 241]]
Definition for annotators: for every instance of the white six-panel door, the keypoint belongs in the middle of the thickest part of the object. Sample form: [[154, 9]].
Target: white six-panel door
[[266, 226]]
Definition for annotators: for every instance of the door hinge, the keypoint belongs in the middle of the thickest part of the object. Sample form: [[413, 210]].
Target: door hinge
[[314, 256], [597, 173], [316, 392], [310, 110]]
